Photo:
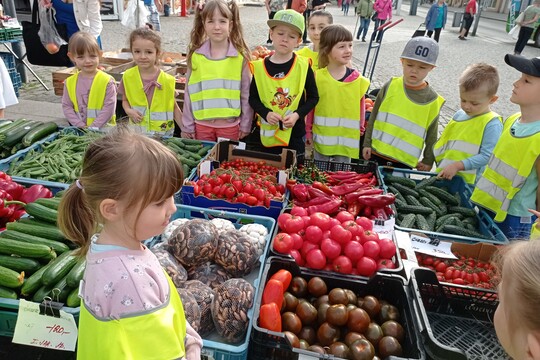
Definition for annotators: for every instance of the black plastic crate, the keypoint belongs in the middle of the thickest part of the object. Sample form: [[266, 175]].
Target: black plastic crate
[[361, 167], [456, 322], [270, 345]]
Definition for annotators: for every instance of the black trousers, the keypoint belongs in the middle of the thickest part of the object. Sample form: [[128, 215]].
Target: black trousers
[[467, 23], [437, 34], [524, 36]]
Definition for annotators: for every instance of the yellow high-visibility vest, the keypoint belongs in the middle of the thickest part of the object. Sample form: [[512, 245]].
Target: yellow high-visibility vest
[[336, 124], [96, 97], [508, 168], [159, 115], [399, 131], [310, 54], [460, 140], [156, 334], [214, 87], [281, 95]]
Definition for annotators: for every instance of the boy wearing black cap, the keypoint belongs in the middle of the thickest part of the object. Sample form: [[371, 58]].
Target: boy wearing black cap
[[509, 185]]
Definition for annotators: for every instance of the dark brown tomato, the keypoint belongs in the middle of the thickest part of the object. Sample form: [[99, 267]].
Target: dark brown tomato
[[337, 315], [328, 334], [352, 337], [339, 349], [293, 339], [388, 312], [298, 287], [372, 306], [358, 320], [361, 350], [291, 322], [374, 334], [394, 329], [338, 296], [389, 346], [317, 287], [306, 312], [308, 334], [290, 302]]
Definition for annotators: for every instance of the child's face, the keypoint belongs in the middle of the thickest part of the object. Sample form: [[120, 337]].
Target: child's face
[[285, 39], [217, 27], [86, 63], [315, 26], [152, 220], [341, 53], [526, 90], [414, 72], [476, 102], [144, 53]]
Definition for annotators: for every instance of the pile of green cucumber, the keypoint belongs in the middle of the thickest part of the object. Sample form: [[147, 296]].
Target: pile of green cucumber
[[427, 207], [19, 134], [188, 151], [36, 260]]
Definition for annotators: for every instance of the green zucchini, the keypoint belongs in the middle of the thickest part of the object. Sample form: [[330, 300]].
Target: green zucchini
[[16, 263], [38, 133], [19, 248], [10, 278], [59, 268], [33, 283], [411, 200], [42, 293], [410, 209], [408, 221], [53, 203], [444, 196], [7, 293], [404, 190], [14, 127], [460, 230], [57, 246], [410, 183], [36, 230], [421, 223], [73, 299], [15, 135], [76, 274], [462, 210], [426, 182], [36, 222], [41, 212]]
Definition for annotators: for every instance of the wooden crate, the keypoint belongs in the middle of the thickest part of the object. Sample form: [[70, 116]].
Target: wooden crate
[[58, 78]]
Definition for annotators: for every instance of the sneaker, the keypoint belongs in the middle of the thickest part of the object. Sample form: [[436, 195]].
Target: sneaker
[[461, 38], [363, 39]]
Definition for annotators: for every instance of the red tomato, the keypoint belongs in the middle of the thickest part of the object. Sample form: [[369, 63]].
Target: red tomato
[[343, 216], [340, 234], [294, 224], [297, 257], [364, 222], [353, 227], [259, 194], [238, 185], [283, 243], [388, 248], [230, 192], [385, 264], [342, 265], [251, 200], [354, 251], [458, 281], [282, 219], [315, 259], [484, 277], [428, 260], [314, 234], [299, 211], [297, 241], [249, 188], [366, 266], [368, 236], [441, 267], [321, 220], [330, 248], [372, 249], [307, 247]]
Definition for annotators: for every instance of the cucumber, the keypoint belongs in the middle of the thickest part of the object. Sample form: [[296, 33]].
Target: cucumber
[[73, 299], [41, 212], [53, 203], [204, 150], [76, 273], [410, 183], [33, 283], [452, 220], [59, 268], [408, 221], [16, 263], [426, 182], [188, 141], [60, 290], [404, 190], [439, 210], [411, 200], [38, 133], [431, 197], [19, 248], [444, 196], [15, 135], [36, 230], [422, 223], [396, 192], [462, 210], [176, 142], [399, 203], [443, 218], [187, 161], [460, 230], [431, 219], [410, 209], [10, 278], [36, 222], [471, 221], [57, 246], [42, 293], [7, 293]]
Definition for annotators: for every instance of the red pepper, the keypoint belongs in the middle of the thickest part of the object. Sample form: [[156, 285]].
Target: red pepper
[[346, 188], [300, 192], [12, 188], [6, 211], [353, 197], [315, 193], [323, 187], [377, 201], [4, 176], [388, 210], [284, 276], [290, 184], [329, 207], [367, 211], [273, 293], [316, 201], [35, 192], [379, 213], [354, 209], [270, 317], [17, 214]]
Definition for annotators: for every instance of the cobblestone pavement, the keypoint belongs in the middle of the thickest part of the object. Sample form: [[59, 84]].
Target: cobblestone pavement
[[454, 55]]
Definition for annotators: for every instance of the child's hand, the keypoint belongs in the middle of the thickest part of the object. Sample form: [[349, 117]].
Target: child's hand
[[290, 120], [423, 167], [186, 135], [242, 134], [366, 153], [450, 171], [273, 118], [134, 115]]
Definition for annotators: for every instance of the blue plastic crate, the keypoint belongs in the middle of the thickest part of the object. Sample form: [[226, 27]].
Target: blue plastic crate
[[15, 78], [4, 163], [9, 60], [213, 345], [486, 225]]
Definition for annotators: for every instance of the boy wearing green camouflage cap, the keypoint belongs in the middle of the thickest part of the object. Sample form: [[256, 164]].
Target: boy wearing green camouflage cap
[[405, 116], [283, 89]]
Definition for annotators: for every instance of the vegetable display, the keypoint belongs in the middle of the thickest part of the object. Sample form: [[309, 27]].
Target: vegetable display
[[188, 151], [20, 134]]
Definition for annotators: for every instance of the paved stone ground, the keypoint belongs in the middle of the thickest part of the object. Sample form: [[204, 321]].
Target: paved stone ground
[[454, 56]]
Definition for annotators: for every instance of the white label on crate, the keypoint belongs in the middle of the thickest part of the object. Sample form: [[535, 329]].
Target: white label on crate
[[307, 357], [433, 247], [58, 333], [384, 227]]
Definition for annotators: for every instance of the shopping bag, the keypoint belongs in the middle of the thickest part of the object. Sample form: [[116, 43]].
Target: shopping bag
[[133, 17], [514, 32], [47, 31]]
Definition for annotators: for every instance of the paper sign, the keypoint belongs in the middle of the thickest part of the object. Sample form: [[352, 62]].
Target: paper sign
[[384, 227], [58, 333], [433, 247]]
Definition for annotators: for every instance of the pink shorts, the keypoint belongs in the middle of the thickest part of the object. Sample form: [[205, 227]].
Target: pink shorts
[[209, 133]]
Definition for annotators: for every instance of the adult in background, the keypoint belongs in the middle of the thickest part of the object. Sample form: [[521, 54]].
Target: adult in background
[[153, 7], [79, 15], [530, 16], [384, 13], [365, 11], [319, 4], [300, 6], [272, 7], [436, 19], [470, 10]]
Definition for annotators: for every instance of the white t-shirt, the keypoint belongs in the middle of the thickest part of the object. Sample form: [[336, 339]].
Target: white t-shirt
[[7, 92]]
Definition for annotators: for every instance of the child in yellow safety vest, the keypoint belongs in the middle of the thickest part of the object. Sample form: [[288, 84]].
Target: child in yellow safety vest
[[405, 117], [317, 21], [130, 308], [468, 140], [216, 98], [89, 98], [283, 89], [508, 187], [338, 120], [148, 93]]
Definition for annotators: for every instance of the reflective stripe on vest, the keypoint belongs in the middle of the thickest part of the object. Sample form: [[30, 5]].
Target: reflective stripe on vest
[[159, 116], [400, 127], [282, 96], [336, 122], [310, 54], [155, 334], [507, 170], [96, 96], [461, 140], [214, 87]]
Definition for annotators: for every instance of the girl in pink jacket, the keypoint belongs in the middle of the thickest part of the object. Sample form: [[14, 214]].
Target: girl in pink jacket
[[384, 13]]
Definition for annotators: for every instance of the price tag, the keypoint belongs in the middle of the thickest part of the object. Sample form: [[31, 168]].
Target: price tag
[[58, 333], [384, 227], [433, 247]]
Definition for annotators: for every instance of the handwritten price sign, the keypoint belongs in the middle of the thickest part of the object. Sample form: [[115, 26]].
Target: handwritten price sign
[[44, 331]]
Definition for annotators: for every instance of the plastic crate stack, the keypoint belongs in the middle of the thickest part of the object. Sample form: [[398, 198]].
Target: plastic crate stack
[[9, 60], [8, 34]]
